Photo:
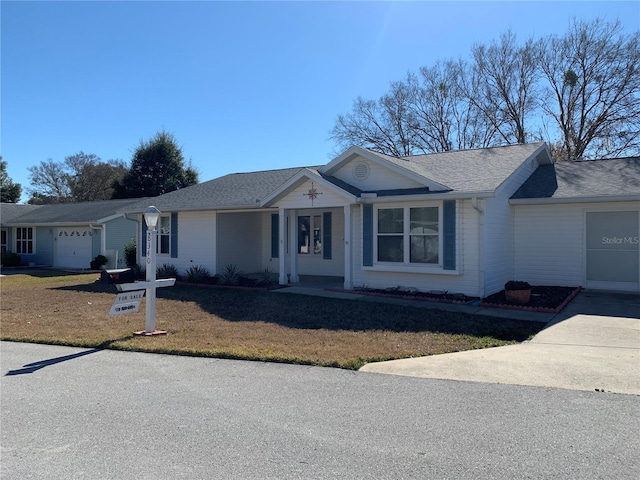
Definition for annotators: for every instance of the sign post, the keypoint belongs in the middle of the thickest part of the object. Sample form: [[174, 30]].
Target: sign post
[[131, 293]]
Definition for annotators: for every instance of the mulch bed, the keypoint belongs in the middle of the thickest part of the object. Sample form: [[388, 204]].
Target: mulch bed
[[544, 298], [444, 297]]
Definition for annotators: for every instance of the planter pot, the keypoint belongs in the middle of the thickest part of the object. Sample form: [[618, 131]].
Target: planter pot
[[521, 297]]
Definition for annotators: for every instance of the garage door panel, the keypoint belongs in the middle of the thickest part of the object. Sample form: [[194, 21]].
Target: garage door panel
[[74, 248], [612, 253]]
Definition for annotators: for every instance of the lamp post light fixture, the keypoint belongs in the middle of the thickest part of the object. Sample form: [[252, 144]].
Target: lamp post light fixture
[[151, 217]]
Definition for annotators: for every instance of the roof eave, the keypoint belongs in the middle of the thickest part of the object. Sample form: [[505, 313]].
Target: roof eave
[[585, 199], [427, 196]]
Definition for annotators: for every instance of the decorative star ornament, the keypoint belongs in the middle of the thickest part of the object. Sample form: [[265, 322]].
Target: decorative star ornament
[[312, 194]]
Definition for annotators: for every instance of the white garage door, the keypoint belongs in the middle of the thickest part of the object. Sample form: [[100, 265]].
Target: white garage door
[[74, 247], [613, 260]]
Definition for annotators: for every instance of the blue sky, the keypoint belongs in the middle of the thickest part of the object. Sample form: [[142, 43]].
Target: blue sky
[[242, 85]]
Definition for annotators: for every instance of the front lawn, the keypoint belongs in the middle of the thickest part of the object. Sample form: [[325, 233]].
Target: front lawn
[[252, 325]]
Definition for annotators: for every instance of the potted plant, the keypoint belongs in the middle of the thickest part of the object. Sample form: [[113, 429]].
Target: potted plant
[[517, 292]]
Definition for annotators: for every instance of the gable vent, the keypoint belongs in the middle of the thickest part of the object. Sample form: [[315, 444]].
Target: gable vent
[[361, 171]]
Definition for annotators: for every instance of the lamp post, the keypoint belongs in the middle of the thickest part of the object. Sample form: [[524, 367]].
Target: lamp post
[[151, 217]]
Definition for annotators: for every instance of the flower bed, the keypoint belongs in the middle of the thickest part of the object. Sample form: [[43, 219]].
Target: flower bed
[[409, 294], [544, 298]]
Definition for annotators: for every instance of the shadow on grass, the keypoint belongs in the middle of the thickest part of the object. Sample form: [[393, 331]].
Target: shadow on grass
[[35, 366], [309, 312], [40, 272]]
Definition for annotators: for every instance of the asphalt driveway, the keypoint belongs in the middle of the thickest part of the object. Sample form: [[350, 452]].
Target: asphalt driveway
[[593, 344]]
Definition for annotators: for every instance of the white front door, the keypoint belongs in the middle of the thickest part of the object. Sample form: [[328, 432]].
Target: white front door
[[73, 247]]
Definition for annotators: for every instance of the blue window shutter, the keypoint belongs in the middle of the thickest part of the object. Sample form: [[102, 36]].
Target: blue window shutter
[[367, 235], [143, 239], [275, 235], [326, 235], [449, 234], [174, 235]]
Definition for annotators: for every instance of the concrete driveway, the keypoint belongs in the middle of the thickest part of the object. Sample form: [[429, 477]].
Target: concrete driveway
[[593, 344]]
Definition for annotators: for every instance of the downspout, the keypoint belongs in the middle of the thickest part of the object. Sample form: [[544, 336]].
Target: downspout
[[481, 242], [474, 204], [103, 236]]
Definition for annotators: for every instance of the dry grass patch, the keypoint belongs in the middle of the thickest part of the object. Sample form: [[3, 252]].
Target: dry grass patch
[[252, 325]]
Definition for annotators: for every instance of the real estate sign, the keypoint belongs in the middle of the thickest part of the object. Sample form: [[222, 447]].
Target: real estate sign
[[127, 302]]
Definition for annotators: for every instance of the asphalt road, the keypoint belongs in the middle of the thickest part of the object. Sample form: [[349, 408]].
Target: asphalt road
[[75, 413]]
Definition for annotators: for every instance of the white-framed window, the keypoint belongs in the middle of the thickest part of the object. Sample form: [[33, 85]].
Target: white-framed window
[[24, 240], [310, 234], [164, 235], [3, 241], [408, 235]]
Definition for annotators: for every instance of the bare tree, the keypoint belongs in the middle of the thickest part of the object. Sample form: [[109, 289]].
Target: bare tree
[[507, 74], [81, 177], [49, 183], [593, 89], [90, 178], [380, 125], [443, 119]]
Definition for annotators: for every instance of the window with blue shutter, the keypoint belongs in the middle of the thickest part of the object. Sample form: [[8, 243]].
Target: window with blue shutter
[[174, 235], [367, 235], [275, 235], [449, 234]]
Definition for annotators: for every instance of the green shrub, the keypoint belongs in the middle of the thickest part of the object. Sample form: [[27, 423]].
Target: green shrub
[[231, 275], [10, 259], [130, 254], [266, 277], [98, 262], [167, 271], [197, 274]]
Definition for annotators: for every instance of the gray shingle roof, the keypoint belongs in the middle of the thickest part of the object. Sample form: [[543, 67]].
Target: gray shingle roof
[[9, 211], [70, 213], [590, 178], [478, 170], [236, 190]]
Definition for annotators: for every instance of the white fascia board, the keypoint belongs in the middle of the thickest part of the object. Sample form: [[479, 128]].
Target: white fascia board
[[427, 196], [552, 200], [353, 152], [109, 218], [299, 178], [346, 157], [50, 224]]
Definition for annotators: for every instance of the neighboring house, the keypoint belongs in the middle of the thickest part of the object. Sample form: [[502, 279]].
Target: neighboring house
[[464, 221], [68, 235]]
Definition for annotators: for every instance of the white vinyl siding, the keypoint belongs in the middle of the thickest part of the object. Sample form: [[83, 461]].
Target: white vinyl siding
[[239, 241], [499, 226], [378, 178], [196, 242], [119, 232]]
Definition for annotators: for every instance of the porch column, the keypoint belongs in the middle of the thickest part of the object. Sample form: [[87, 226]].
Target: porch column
[[348, 281], [293, 245], [282, 251]]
